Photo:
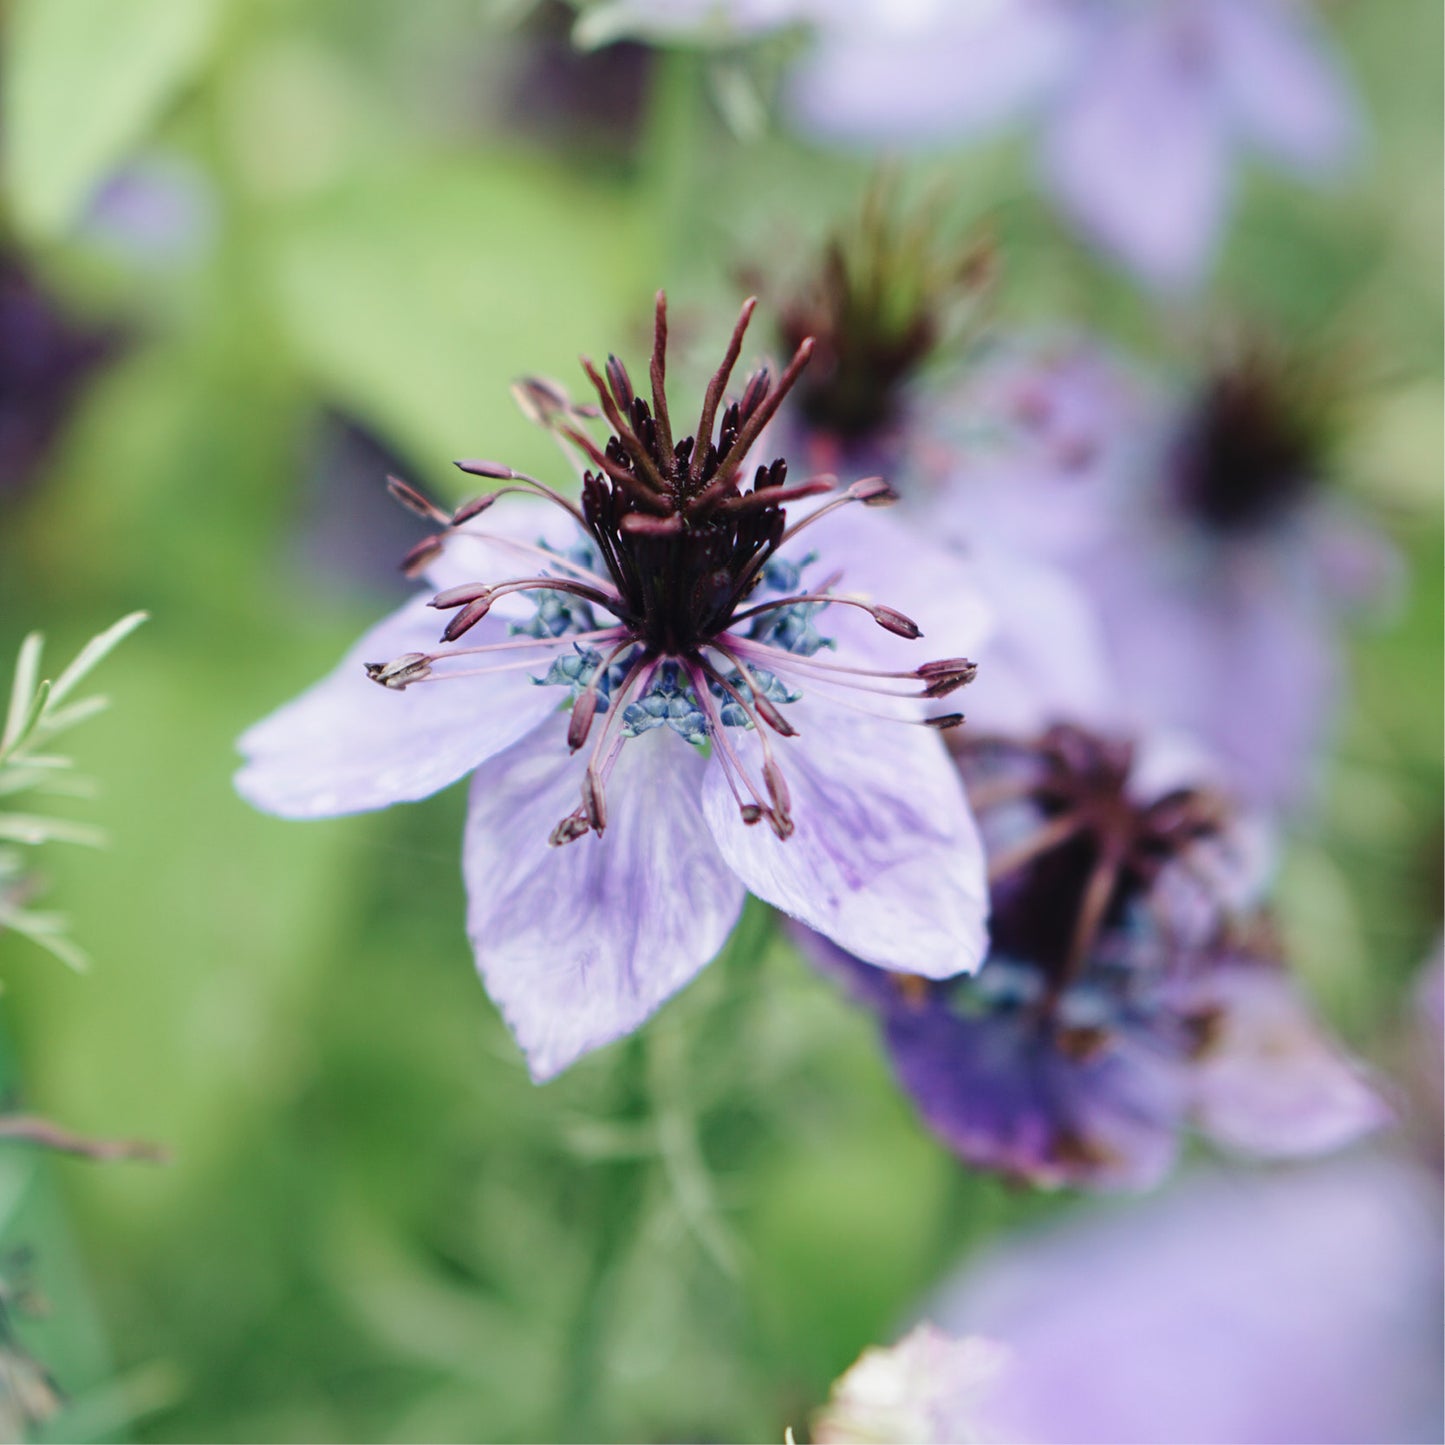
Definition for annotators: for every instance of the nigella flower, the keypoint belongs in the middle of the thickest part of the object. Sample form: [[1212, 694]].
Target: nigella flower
[[1196, 521], [1121, 999], [642, 682], [1143, 107]]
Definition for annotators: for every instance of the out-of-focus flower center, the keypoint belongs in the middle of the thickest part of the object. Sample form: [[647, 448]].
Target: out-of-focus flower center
[[1246, 454], [1072, 857]]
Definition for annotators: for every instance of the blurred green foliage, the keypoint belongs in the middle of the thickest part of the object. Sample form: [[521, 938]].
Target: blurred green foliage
[[375, 1227]]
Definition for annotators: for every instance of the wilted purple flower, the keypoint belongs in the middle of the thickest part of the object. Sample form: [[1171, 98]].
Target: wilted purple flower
[[1196, 523], [657, 624], [45, 360], [1144, 108], [1121, 999]]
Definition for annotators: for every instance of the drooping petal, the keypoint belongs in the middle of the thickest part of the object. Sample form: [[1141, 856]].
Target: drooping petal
[[916, 72], [1138, 153], [886, 860], [1005, 1096], [1286, 88], [347, 745], [578, 944], [1270, 1082]]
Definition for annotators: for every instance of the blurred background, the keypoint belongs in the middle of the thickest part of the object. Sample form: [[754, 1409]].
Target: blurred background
[[255, 256]]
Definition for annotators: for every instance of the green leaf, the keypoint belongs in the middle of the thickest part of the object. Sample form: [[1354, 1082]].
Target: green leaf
[[47, 931], [34, 829], [28, 719], [27, 669], [94, 652], [419, 294], [83, 81]]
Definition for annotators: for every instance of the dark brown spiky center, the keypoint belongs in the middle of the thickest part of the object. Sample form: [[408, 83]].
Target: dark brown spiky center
[[1246, 454], [1095, 852], [680, 536], [884, 296]]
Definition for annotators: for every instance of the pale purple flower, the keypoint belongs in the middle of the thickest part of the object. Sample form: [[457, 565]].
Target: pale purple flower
[[1195, 521], [1127, 995], [1144, 107], [655, 624], [1265, 1309]]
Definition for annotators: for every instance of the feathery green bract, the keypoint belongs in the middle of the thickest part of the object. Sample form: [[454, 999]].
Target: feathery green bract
[[37, 714]]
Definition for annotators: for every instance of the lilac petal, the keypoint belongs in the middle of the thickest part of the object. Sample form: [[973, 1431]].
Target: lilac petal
[[880, 558], [500, 544], [1238, 1307], [1285, 85], [1138, 153], [886, 860], [578, 944], [921, 73], [1041, 446], [1271, 1083], [347, 744], [1232, 651], [1046, 662]]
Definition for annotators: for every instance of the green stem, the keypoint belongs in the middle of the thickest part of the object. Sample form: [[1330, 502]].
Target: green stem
[[620, 1188]]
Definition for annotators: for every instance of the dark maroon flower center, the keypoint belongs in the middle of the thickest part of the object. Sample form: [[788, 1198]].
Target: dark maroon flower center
[[1094, 852], [1246, 454]]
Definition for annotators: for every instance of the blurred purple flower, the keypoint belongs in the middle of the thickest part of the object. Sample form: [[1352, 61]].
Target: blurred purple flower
[[1263, 1310], [657, 605], [1195, 523], [156, 212], [1122, 999], [45, 361], [1144, 107]]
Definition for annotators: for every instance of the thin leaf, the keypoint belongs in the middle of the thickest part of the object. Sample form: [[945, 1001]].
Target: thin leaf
[[32, 829], [32, 718], [93, 652], [57, 720], [27, 670], [46, 930]]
